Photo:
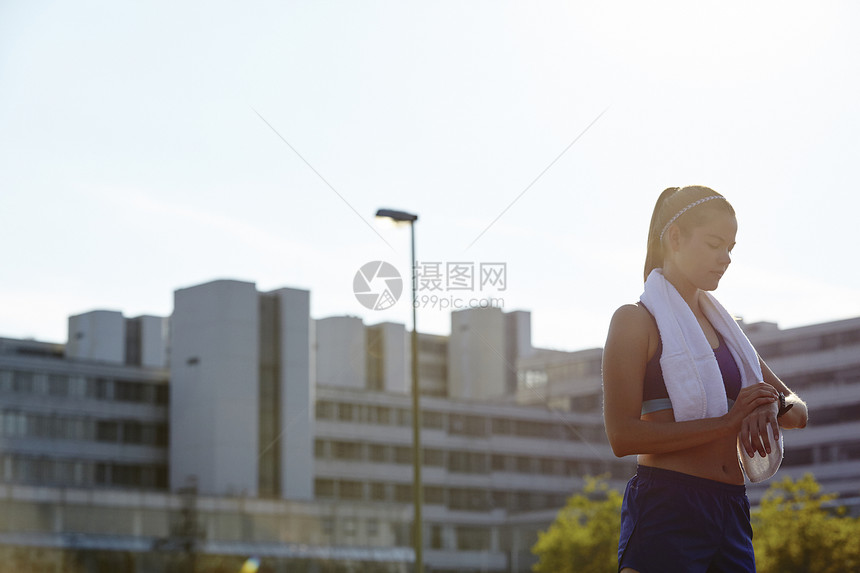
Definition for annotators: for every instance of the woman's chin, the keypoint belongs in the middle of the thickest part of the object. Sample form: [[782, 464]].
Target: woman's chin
[[712, 283]]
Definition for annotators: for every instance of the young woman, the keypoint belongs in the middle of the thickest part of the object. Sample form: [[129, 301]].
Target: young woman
[[686, 508]]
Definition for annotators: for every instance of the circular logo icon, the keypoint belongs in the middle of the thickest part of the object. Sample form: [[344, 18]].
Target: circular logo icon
[[377, 285]]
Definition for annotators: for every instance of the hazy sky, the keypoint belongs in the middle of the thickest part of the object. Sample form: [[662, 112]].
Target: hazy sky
[[133, 162]]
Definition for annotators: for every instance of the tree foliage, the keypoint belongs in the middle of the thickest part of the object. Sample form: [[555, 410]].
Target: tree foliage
[[797, 529], [584, 536]]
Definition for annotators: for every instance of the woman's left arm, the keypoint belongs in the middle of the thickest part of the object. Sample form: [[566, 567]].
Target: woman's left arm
[[798, 415]]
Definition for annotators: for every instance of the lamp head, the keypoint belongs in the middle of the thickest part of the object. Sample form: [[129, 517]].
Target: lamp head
[[399, 216]]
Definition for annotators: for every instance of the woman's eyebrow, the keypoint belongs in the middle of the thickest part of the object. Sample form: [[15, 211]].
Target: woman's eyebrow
[[720, 238]]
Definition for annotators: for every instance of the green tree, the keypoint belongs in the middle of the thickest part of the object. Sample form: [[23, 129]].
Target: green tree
[[796, 529], [584, 536]]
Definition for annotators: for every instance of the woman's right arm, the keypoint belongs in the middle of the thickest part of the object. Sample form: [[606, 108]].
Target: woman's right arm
[[625, 356]]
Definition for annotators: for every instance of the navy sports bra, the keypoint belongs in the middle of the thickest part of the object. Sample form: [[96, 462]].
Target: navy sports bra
[[654, 394]]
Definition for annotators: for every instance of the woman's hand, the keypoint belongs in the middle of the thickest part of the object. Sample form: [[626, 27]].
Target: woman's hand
[[749, 400], [754, 434]]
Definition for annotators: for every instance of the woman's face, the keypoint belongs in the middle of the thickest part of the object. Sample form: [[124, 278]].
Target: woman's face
[[704, 253]]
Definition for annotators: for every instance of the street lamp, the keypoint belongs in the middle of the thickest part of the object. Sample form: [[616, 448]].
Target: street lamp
[[417, 490]]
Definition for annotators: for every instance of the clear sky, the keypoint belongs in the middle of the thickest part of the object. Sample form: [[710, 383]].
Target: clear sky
[[133, 160]]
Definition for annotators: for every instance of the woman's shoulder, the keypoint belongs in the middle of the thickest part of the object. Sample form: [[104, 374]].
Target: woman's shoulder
[[633, 321], [633, 314]]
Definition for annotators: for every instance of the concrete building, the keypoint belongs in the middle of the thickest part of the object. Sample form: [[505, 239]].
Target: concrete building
[[290, 438], [240, 391], [86, 419], [820, 362], [483, 350]]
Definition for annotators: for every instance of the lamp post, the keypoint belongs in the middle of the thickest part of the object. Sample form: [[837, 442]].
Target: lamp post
[[417, 489]]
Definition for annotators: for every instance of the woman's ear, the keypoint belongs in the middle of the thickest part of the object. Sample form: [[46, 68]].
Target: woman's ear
[[674, 234]]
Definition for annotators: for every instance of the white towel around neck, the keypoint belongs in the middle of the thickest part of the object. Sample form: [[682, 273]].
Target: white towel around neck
[[690, 370]]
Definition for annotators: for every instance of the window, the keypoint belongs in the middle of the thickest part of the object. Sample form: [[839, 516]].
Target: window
[[468, 499], [345, 412], [524, 464], [434, 420], [500, 499], [403, 493], [522, 501], [467, 462], [501, 426], [433, 457], [126, 475], [22, 382], [327, 525], [836, 414], [470, 538], [58, 385], [378, 453], [325, 410], [531, 429], [319, 448], [549, 466], [378, 491], [589, 403], [15, 424], [102, 476], [402, 533], [460, 424], [353, 490], [107, 431], [383, 415], [850, 451], [349, 526], [5, 380], [59, 428], [404, 417], [436, 537], [64, 472], [161, 434], [372, 527], [132, 433], [37, 425], [403, 454], [499, 463], [432, 370], [363, 414], [346, 450], [434, 495], [129, 391], [532, 378], [798, 457], [99, 388], [161, 394], [324, 488]]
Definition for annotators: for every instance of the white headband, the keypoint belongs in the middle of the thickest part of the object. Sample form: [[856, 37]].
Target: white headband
[[685, 209]]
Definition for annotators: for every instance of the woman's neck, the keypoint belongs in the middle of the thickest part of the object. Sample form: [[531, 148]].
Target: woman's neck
[[688, 291]]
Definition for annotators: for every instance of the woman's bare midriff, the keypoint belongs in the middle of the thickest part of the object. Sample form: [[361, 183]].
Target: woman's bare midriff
[[717, 460]]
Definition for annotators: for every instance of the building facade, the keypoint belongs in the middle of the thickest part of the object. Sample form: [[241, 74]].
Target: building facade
[[241, 427]]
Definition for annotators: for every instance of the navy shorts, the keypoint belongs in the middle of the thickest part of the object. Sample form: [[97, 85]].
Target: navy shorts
[[672, 521]]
